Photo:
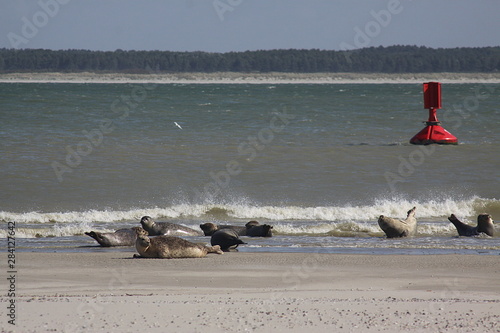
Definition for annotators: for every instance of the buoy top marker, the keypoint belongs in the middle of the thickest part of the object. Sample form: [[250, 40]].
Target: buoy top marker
[[433, 132]]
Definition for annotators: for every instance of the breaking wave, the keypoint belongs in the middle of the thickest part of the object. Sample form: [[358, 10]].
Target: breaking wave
[[430, 209]]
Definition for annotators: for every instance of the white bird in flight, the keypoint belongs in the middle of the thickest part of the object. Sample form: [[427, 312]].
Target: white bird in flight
[[177, 125]]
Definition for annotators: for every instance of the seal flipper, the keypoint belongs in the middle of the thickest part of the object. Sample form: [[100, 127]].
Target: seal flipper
[[98, 238], [91, 234], [411, 211], [214, 249], [462, 228]]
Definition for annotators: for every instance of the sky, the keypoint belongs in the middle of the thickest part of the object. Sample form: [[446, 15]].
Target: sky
[[241, 25]]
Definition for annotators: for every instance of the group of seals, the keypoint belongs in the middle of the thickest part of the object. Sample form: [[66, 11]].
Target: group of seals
[[251, 229], [403, 228], [127, 237], [227, 236], [166, 245]]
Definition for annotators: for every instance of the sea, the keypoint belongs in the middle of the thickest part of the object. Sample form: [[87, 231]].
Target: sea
[[318, 162]]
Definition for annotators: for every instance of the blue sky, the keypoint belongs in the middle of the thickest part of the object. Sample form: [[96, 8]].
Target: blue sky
[[240, 25]]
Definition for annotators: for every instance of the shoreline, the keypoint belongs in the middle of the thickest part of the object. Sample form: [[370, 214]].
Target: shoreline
[[258, 292], [250, 78]]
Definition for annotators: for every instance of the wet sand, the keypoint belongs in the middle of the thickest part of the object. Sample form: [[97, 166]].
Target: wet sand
[[250, 78], [255, 292]]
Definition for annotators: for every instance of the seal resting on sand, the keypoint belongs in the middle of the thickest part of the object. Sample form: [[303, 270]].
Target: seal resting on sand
[[121, 237], [399, 228], [226, 238], [167, 228], [170, 247], [255, 229], [484, 225], [210, 228]]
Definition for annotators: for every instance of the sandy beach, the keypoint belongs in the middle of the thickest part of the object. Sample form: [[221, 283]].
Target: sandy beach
[[250, 78], [254, 292]]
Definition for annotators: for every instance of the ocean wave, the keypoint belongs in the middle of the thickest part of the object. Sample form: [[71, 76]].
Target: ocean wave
[[466, 209], [58, 230], [334, 229], [431, 209]]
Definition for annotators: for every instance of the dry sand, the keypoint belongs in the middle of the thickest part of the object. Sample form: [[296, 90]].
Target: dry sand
[[255, 292], [251, 78]]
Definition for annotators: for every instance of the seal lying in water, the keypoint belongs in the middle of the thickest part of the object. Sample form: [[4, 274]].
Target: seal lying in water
[[121, 237], [226, 238], [170, 247], [167, 228], [399, 228], [255, 229], [210, 228], [484, 225], [251, 229]]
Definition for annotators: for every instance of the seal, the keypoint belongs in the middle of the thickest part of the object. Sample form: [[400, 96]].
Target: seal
[[399, 228], [255, 229], [226, 238], [166, 228], [121, 237], [209, 228], [484, 225], [170, 247]]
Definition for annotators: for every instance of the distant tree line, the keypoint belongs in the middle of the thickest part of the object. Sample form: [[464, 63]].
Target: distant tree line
[[393, 59]]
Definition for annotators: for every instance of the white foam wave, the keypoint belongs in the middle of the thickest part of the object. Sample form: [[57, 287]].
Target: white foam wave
[[394, 208], [333, 228], [58, 230], [430, 209], [100, 215]]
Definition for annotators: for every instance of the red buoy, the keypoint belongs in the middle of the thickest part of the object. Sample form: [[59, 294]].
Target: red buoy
[[433, 132]]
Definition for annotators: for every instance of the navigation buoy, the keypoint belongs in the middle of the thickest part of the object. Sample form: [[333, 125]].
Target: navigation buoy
[[433, 132]]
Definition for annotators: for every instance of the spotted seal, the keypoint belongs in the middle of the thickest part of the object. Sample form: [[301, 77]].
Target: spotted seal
[[399, 228], [226, 238], [484, 225], [121, 237], [167, 228], [170, 247]]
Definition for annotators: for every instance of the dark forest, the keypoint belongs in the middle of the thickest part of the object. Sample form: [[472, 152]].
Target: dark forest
[[393, 59]]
